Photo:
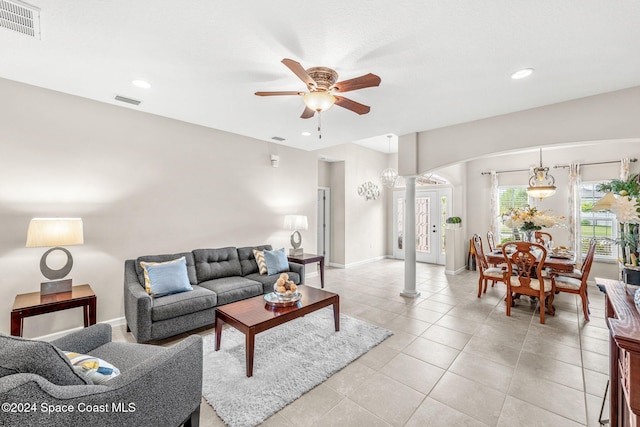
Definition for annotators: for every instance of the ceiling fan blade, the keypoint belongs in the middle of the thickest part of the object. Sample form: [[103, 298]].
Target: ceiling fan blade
[[354, 106], [299, 71], [290, 92], [307, 113], [368, 80]]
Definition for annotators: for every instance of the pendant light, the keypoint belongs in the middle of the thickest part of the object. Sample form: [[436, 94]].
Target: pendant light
[[541, 183], [390, 175]]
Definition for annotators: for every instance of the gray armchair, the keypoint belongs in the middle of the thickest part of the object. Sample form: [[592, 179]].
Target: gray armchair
[[156, 386]]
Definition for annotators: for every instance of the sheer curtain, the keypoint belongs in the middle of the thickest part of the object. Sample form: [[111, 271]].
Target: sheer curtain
[[495, 207], [573, 221], [624, 168]]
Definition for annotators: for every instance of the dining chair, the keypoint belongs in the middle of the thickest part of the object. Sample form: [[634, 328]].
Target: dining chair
[[543, 238], [495, 274], [491, 241], [524, 269], [576, 282]]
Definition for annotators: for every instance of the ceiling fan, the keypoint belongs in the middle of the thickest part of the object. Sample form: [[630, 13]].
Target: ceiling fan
[[322, 87]]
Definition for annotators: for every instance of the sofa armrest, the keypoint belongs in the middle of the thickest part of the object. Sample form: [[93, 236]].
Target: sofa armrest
[[85, 340], [137, 304], [297, 268], [164, 390]]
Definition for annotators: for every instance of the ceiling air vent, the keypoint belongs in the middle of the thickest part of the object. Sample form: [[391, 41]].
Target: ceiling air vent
[[20, 17], [125, 99], [277, 138]]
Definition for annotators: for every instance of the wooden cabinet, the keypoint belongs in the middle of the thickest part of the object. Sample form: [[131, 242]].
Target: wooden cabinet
[[623, 321]]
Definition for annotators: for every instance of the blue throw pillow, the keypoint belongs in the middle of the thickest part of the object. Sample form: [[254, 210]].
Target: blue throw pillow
[[276, 261], [168, 277]]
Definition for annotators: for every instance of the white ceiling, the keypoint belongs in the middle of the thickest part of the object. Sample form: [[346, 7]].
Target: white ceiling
[[441, 62]]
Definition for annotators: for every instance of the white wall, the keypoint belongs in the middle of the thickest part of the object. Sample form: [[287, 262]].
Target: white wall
[[143, 184], [364, 222], [609, 116]]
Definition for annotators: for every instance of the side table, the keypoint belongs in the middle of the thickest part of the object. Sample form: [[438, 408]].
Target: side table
[[310, 259], [33, 304]]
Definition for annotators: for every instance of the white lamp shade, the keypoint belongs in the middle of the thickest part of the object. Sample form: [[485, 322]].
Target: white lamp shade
[[296, 222], [44, 232]]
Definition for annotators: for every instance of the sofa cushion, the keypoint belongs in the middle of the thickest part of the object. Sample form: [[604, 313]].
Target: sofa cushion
[[166, 278], [176, 305], [188, 256], [247, 258], [269, 281], [276, 261], [230, 289], [216, 263], [41, 358], [127, 356]]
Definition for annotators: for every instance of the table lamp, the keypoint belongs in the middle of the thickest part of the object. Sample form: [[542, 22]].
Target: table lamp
[[295, 223], [56, 232]]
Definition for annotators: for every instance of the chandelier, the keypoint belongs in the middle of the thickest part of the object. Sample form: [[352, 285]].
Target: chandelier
[[390, 175], [541, 183]]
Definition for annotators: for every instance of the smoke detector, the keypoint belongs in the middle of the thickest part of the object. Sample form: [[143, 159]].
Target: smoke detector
[[20, 17]]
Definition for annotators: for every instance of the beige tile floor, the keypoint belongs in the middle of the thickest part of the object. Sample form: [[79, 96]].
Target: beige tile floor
[[454, 360]]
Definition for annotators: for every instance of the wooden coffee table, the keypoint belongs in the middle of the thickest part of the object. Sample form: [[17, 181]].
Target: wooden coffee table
[[252, 316]]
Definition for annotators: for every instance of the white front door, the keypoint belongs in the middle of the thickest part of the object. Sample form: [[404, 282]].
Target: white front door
[[432, 207]]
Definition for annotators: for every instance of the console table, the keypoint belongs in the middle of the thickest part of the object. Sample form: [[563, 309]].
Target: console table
[[309, 259], [33, 304], [623, 321]]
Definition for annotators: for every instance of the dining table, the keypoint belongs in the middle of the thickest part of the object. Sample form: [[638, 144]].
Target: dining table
[[557, 263]]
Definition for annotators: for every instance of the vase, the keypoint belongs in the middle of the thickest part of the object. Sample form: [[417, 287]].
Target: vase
[[528, 236]]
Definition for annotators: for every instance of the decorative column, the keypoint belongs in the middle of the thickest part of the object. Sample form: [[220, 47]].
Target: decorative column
[[410, 239]]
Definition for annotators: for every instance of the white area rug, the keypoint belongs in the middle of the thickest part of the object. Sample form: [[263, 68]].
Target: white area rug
[[290, 360]]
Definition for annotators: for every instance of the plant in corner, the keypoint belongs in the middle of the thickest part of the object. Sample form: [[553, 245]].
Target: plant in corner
[[625, 205]]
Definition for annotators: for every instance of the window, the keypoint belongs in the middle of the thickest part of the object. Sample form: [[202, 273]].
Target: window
[[601, 225], [509, 198]]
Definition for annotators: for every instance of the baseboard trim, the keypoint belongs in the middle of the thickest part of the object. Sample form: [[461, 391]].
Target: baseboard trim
[[355, 264], [50, 337], [454, 272]]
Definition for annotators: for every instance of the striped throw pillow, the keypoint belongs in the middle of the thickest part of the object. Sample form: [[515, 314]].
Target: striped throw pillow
[[97, 370], [262, 265]]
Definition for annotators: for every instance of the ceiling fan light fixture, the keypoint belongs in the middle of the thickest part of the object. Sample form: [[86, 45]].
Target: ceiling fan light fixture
[[319, 101]]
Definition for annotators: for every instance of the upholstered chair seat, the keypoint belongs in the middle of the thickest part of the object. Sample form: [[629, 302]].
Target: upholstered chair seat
[[534, 284], [568, 282]]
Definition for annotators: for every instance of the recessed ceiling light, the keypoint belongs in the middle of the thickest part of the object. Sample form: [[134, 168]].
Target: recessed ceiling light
[[141, 83], [521, 74], [306, 133]]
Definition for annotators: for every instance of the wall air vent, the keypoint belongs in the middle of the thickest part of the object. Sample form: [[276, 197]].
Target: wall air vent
[[277, 138], [127, 100], [20, 17]]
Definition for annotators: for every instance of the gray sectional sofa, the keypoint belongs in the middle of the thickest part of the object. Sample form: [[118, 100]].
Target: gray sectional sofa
[[217, 276]]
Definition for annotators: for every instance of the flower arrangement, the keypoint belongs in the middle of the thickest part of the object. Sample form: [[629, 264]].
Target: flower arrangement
[[530, 218]]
